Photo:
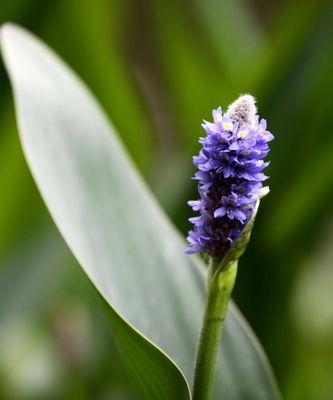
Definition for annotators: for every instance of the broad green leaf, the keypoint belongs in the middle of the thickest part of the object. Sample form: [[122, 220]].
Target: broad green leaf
[[119, 235]]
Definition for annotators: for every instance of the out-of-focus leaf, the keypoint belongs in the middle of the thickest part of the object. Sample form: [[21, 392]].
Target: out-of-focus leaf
[[195, 81], [14, 8], [100, 34], [44, 294], [35, 271], [18, 194], [119, 235], [299, 203], [304, 120], [232, 33], [274, 59]]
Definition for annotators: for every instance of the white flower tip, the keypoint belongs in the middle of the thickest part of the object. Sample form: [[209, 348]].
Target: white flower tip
[[263, 191], [243, 110]]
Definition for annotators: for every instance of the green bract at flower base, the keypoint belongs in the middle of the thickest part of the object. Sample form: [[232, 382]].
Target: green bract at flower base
[[239, 246]]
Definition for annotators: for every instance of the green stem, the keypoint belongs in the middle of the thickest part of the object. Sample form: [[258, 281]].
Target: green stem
[[219, 288]]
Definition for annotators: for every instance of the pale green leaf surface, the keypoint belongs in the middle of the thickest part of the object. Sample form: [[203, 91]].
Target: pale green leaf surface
[[118, 233]]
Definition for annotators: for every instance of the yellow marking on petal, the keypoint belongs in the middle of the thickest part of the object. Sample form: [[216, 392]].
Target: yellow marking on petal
[[219, 117], [227, 126], [242, 134]]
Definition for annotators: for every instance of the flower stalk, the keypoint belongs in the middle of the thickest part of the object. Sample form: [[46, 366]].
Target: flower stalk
[[219, 288]]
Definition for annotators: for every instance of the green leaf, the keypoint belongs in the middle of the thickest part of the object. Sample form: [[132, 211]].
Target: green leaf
[[119, 235], [99, 32], [232, 43], [180, 53], [18, 196]]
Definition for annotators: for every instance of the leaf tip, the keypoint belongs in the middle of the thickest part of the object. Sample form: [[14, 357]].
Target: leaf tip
[[7, 27]]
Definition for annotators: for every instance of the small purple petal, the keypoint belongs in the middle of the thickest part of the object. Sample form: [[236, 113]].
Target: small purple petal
[[220, 212]]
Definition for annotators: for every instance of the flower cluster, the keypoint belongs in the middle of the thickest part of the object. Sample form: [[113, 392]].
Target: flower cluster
[[230, 175]]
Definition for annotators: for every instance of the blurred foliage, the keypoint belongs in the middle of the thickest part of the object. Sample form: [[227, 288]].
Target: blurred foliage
[[158, 68]]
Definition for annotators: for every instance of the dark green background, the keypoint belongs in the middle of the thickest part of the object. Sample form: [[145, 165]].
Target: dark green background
[[158, 68]]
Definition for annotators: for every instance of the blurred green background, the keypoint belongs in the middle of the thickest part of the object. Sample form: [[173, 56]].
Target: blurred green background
[[158, 68]]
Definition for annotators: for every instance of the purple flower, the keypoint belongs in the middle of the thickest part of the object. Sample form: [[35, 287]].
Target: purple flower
[[231, 206], [230, 175]]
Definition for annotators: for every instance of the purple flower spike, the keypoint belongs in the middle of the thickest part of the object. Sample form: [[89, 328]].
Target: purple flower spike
[[230, 175]]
